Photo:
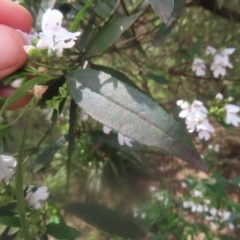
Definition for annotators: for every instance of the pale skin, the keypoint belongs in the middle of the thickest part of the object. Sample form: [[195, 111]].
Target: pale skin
[[12, 54]]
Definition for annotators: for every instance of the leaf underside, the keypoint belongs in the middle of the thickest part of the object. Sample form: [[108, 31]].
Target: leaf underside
[[132, 113]]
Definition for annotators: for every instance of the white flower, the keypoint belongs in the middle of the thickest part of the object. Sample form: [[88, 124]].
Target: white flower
[[211, 50], [7, 163], [184, 185], [219, 96], [197, 193], [34, 198], [160, 198], [16, 83], [231, 114], [124, 140], [204, 129], [152, 188], [143, 215], [215, 148], [221, 61], [196, 118], [83, 116], [213, 211], [199, 67], [53, 36], [187, 204], [226, 215], [106, 129]]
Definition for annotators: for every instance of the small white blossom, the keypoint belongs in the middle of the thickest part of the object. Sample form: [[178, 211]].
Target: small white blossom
[[199, 67], [107, 130], [196, 118], [124, 140], [34, 198], [213, 211], [184, 185], [7, 163], [54, 37], [232, 114], [143, 215], [197, 193], [187, 204], [215, 148], [121, 138], [160, 198], [152, 188], [219, 96], [16, 83], [204, 129], [220, 61]]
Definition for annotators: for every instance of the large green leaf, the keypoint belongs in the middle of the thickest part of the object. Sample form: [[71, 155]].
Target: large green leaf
[[104, 219], [47, 155], [108, 34], [163, 8], [62, 231], [130, 112]]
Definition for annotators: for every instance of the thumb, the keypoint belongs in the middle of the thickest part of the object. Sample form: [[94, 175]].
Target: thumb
[[12, 54]]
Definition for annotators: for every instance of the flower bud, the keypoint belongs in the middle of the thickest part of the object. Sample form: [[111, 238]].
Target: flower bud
[[32, 51]]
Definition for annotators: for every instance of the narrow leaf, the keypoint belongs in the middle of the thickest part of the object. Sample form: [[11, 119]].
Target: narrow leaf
[[47, 155], [22, 91], [79, 16], [109, 33], [158, 79], [62, 231], [130, 112], [10, 221], [71, 138], [163, 8], [162, 34], [104, 219]]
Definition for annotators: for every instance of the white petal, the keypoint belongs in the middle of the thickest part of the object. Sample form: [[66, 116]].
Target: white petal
[[219, 96], [64, 34], [106, 129], [232, 108], [211, 50], [83, 116], [228, 51], [16, 83], [52, 20], [128, 141], [184, 113], [120, 139], [9, 161]]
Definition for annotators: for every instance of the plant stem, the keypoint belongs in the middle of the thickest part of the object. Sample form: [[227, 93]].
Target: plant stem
[[19, 182]]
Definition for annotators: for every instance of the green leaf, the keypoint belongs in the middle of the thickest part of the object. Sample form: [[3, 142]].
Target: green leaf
[[109, 33], [104, 219], [8, 235], [22, 91], [71, 138], [62, 231], [162, 34], [8, 209], [47, 155], [112, 139], [130, 112], [10, 221], [158, 79], [178, 8], [163, 8], [196, 47], [115, 73], [79, 16]]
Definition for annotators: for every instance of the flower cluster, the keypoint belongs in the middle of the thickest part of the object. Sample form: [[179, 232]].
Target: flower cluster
[[219, 64], [195, 115], [53, 37]]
